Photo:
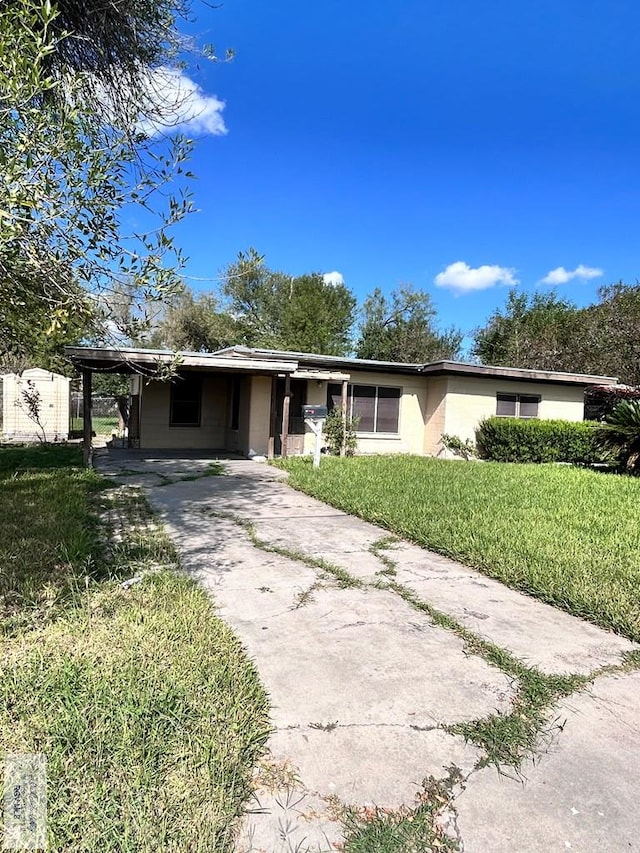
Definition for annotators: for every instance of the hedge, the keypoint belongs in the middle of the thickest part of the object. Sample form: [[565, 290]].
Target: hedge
[[516, 440]]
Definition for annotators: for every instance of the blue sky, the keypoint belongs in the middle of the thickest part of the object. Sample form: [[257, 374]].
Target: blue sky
[[459, 146]]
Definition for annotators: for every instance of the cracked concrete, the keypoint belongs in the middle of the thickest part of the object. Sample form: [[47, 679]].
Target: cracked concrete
[[582, 795], [361, 683]]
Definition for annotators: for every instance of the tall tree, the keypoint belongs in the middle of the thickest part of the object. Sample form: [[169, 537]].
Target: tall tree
[[76, 84], [610, 333], [277, 311], [539, 332], [401, 327], [195, 324]]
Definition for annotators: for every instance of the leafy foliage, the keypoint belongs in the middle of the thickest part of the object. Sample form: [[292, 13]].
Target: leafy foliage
[[545, 332], [519, 440], [611, 333], [621, 434], [601, 400], [73, 158], [465, 449], [401, 328], [337, 433], [195, 324], [537, 332], [278, 311]]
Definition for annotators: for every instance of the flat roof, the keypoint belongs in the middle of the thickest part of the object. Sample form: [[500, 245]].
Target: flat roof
[[132, 360], [433, 368], [460, 368], [258, 360]]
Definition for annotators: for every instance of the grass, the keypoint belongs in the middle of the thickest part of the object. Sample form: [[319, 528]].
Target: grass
[[149, 713], [101, 425], [566, 535], [47, 531], [417, 829]]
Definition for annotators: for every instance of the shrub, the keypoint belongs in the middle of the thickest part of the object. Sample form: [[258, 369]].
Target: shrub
[[516, 440], [334, 430], [601, 400], [464, 449], [620, 435]]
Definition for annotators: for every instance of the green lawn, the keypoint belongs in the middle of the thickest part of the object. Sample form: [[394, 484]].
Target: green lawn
[[149, 713], [100, 425], [566, 535]]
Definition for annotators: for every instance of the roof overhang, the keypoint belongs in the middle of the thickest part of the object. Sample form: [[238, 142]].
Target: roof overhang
[[457, 368], [147, 362], [321, 375]]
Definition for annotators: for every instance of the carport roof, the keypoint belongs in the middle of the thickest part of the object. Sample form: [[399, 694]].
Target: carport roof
[[147, 361]]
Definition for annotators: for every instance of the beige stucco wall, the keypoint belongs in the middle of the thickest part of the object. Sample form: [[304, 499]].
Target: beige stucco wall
[[469, 399], [413, 403], [53, 390], [435, 414], [155, 431]]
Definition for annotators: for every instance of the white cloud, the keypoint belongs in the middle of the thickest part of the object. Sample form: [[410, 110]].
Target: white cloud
[[461, 278], [176, 102], [333, 278], [561, 276]]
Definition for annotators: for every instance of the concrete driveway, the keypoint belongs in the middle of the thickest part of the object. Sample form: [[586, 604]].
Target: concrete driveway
[[367, 675]]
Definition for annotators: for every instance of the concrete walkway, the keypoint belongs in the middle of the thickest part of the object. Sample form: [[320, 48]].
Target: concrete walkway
[[363, 684]]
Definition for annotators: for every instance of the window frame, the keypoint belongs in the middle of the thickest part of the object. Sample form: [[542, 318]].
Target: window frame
[[376, 396], [517, 398], [175, 384]]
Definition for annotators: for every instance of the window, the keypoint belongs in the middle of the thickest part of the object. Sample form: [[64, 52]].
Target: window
[[377, 407], [517, 406], [186, 398]]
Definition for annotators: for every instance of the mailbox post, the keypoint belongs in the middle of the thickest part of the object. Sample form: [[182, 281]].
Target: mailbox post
[[314, 417]]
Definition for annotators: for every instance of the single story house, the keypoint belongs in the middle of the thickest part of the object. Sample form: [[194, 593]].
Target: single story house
[[249, 401]]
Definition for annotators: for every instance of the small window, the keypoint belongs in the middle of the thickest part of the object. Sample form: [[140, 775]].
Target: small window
[[517, 406], [377, 407], [186, 399]]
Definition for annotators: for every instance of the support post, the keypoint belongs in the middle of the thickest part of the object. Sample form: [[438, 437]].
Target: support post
[[286, 403], [345, 387], [273, 417], [86, 417]]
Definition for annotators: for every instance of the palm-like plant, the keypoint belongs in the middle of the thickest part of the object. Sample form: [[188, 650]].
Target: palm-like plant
[[620, 434]]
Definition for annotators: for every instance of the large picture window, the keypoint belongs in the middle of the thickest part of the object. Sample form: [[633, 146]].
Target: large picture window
[[376, 406], [517, 405], [186, 400]]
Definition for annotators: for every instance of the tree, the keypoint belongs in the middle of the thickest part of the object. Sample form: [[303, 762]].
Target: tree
[[545, 332], [610, 333], [277, 311], [538, 332], [401, 328], [195, 324], [76, 83]]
